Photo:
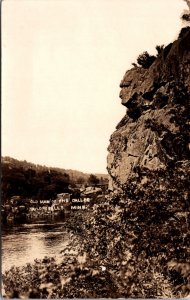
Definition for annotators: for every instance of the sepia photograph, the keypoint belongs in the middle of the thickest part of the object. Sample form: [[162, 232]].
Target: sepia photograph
[[95, 123]]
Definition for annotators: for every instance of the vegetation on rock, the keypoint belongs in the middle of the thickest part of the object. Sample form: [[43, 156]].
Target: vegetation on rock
[[145, 60]]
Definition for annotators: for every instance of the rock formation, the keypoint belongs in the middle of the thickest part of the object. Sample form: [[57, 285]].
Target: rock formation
[[148, 163], [154, 133]]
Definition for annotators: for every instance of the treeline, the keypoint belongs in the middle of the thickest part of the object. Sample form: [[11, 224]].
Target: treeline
[[31, 183], [39, 182]]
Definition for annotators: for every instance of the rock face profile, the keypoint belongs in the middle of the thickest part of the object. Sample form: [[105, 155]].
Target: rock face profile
[[153, 136], [148, 165]]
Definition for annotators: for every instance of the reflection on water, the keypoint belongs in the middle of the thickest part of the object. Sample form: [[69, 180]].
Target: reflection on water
[[23, 243]]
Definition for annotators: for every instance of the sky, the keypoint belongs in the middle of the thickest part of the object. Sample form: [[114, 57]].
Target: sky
[[62, 63]]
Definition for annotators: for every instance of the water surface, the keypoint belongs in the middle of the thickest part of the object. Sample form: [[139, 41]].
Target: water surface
[[23, 243]]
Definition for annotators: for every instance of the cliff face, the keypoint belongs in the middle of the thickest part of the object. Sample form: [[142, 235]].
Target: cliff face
[[153, 136], [148, 162]]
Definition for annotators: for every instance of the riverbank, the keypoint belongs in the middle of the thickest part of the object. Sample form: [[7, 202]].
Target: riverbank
[[44, 277], [109, 261], [22, 243]]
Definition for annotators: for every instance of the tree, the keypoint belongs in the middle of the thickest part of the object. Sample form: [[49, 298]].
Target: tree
[[93, 179], [32, 183], [159, 49], [80, 180], [145, 60]]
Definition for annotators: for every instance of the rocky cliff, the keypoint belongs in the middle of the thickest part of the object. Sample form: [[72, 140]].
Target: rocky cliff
[[153, 136], [148, 164]]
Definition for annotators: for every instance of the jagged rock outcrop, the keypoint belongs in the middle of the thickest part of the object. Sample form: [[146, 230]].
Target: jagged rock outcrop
[[154, 133], [148, 163]]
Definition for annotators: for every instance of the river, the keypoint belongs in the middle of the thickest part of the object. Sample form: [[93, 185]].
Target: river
[[23, 243]]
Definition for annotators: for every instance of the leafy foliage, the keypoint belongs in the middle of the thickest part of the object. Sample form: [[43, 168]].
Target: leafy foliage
[[93, 179], [32, 184], [40, 182], [159, 49], [145, 60], [129, 245]]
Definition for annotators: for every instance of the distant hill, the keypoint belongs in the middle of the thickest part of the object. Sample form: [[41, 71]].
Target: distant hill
[[74, 174], [31, 180]]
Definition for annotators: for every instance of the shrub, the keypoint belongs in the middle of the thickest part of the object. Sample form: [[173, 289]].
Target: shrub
[[134, 65], [145, 60], [183, 31], [159, 49]]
